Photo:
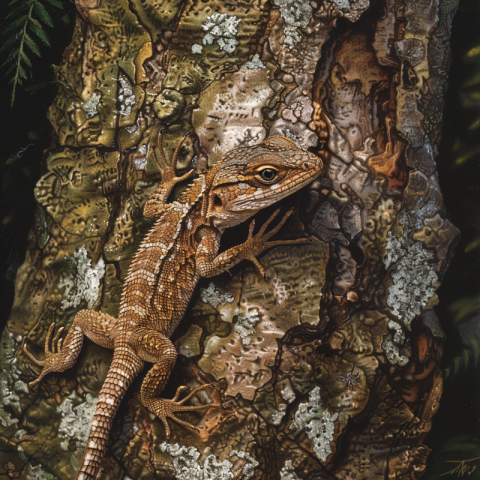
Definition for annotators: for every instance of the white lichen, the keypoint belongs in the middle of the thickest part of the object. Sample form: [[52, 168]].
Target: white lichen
[[81, 281], [90, 107], [393, 342], [196, 49], [126, 96], [247, 319], [288, 472], [296, 14], [286, 391], [282, 291], [187, 467], [352, 9], [254, 64], [214, 297], [19, 434], [76, 420], [319, 424], [410, 266], [132, 129], [140, 159], [321, 431], [248, 470], [221, 29], [276, 416], [37, 473], [9, 383]]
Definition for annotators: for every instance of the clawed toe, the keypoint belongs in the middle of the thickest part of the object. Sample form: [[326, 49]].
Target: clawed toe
[[168, 171], [54, 361], [166, 409], [33, 384], [35, 360]]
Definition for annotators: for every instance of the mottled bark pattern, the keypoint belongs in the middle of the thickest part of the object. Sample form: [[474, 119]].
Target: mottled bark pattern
[[328, 365]]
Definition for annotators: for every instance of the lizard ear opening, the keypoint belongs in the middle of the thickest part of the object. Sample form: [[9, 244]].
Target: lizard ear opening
[[217, 202]]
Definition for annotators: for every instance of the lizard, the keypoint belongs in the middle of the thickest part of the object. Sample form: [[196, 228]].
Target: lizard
[[182, 246]]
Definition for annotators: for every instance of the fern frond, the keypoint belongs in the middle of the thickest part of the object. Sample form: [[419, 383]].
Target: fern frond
[[39, 32], [32, 46], [470, 354], [20, 21], [22, 29], [55, 3], [42, 13]]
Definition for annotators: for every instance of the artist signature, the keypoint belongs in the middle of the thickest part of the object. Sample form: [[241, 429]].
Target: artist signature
[[462, 467]]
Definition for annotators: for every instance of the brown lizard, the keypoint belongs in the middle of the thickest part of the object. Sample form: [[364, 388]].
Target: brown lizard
[[181, 247]]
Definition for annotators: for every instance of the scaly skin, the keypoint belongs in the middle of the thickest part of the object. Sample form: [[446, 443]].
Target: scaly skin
[[181, 247]]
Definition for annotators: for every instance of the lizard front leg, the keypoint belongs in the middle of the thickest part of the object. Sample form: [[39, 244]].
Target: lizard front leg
[[209, 264], [157, 202], [61, 355], [152, 346]]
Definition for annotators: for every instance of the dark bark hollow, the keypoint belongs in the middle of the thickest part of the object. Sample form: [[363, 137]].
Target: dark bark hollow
[[329, 366]]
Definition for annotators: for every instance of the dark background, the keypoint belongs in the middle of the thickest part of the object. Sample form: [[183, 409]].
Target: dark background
[[26, 134]]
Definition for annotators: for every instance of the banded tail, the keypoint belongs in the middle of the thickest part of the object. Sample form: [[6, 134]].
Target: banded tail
[[123, 370]]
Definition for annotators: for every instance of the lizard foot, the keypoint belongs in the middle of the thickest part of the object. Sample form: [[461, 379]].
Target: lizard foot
[[55, 359], [260, 242], [169, 172], [165, 409]]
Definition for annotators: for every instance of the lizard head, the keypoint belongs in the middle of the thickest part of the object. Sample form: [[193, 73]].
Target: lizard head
[[249, 179]]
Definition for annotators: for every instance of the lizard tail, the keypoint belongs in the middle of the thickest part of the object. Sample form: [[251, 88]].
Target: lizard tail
[[124, 368]]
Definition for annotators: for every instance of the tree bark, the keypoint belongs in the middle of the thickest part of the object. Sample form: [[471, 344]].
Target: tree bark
[[328, 366]]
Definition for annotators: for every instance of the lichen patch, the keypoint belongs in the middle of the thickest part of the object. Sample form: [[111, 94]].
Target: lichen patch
[[76, 420], [221, 29], [318, 423], [410, 266], [81, 282]]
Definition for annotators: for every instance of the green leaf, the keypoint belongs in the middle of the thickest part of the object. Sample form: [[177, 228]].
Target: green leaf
[[25, 58], [9, 42], [21, 71], [25, 16], [474, 52], [474, 80], [474, 125], [39, 31], [466, 357], [10, 70], [21, 7], [457, 364], [31, 45], [15, 24], [41, 11], [475, 350], [10, 57], [56, 3]]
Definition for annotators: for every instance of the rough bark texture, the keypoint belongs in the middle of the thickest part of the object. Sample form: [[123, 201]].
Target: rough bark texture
[[329, 366]]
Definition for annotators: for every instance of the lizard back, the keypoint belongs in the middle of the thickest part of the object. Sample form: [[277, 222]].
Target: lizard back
[[162, 273]]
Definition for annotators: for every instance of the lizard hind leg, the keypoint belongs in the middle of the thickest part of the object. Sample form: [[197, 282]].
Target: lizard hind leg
[[154, 347], [62, 354]]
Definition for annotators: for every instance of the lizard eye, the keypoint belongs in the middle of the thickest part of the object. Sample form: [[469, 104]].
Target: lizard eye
[[267, 174]]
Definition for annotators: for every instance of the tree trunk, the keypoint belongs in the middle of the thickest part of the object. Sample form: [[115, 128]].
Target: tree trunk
[[328, 366]]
